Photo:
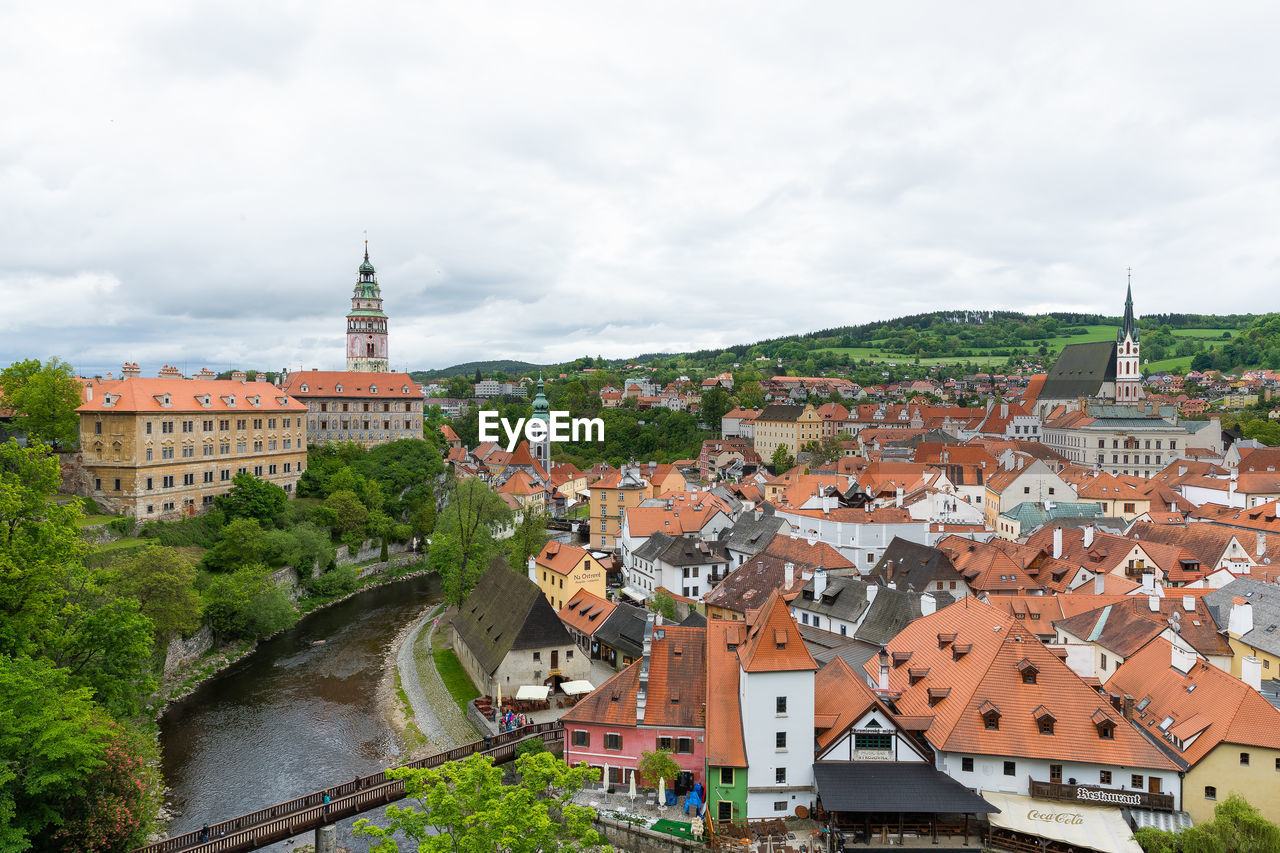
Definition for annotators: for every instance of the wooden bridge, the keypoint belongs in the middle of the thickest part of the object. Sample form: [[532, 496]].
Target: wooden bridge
[[285, 820]]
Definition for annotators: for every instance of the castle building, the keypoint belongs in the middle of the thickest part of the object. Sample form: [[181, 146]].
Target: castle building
[[366, 323], [165, 447]]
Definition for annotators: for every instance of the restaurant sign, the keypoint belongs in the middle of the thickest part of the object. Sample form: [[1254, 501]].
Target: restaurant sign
[[1100, 795]]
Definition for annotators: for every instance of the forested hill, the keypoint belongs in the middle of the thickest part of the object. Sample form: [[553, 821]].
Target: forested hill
[[486, 368]]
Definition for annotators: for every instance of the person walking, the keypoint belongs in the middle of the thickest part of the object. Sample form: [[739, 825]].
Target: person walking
[[326, 803], [204, 832]]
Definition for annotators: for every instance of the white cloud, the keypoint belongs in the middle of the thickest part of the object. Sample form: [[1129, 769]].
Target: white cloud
[[541, 181]]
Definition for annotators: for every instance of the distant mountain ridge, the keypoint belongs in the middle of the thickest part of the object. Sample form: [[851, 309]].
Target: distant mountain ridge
[[469, 368]]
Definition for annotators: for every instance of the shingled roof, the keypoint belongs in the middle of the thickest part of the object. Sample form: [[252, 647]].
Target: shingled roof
[[1080, 371], [506, 612]]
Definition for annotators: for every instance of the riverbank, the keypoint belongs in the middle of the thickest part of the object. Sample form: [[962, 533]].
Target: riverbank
[[187, 678], [412, 695]]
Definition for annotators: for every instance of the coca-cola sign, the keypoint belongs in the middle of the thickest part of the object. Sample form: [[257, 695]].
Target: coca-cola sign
[[1071, 818]]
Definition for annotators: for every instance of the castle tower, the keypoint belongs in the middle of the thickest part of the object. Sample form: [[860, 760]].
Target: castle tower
[[366, 324], [542, 449], [1128, 372]]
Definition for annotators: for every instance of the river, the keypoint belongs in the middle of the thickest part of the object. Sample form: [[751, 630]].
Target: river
[[292, 717]]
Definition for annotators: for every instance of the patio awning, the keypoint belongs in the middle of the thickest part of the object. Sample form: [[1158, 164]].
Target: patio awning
[[1084, 826], [633, 594], [887, 786], [529, 692], [576, 688]]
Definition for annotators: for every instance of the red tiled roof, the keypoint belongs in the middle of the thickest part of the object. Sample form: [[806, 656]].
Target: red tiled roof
[[324, 383], [586, 612], [140, 394], [773, 642]]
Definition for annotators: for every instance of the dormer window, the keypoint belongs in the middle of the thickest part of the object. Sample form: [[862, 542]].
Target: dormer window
[[373, 389], [1028, 670], [304, 388], [937, 694], [404, 389], [1104, 724], [899, 658], [990, 716], [960, 650], [917, 674], [338, 389], [1044, 720], [945, 640]]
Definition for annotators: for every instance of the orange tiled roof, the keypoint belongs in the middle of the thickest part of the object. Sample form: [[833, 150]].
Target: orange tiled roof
[[586, 612], [804, 553], [725, 746], [992, 648], [141, 394], [324, 383], [561, 557], [773, 642], [1205, 701], [676, 690]]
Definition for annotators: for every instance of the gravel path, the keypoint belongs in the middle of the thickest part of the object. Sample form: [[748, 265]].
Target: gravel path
[[434, 712]]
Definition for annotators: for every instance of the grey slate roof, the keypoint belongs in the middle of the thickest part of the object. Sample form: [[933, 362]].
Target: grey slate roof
[[914, 566], [681, 551], [694, 620], [750, 535], [506, 612], [1265, 598], [1080, 371], [891, 786], [623, 630], [886, 614], [778, 412]]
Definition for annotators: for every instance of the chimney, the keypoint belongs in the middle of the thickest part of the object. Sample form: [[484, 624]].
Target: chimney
[[1182, 660], [789, 574], [883, 683], [1126, 706], [130, 370], [533, 569], [239, 376], [1240, 622], [1148, 583], [928, 604], [1057, 543], [1153, 602], [1189, 603], [897, 498], [819, 582], [1261, 549], [170, 372], [1251, 672], [642, 687], [872, 589], [1088, 536], [1099, 583], [1004, 411]]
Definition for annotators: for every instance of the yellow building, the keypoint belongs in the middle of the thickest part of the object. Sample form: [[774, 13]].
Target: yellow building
[[611, 496], [562, 570], [790, 426], [367, 408], [164, 447]]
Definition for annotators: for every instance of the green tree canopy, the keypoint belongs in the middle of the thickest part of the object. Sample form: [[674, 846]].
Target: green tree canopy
[[463, 541], [162, 581], [782, 460], [45, 397], [464, 806], [657, 765], [250, 497], [241, 542], [1237, 827]]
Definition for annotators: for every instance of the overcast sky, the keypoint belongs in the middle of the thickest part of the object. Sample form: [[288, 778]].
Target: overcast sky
[[190, 183]]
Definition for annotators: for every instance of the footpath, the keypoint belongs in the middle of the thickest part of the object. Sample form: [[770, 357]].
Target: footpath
[[435, 713]]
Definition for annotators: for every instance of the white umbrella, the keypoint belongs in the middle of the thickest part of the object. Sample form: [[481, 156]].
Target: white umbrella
[[604, 781], [632, 792], [662, 794], [499, 694]]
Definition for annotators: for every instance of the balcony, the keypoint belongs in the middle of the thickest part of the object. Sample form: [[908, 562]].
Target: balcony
[[1101, 796]]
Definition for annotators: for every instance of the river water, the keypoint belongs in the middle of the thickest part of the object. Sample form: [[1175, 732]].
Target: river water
[[292, 717]]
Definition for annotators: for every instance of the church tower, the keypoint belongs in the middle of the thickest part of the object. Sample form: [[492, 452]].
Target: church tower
[[542, 449], [1128, 372], [366, 324]]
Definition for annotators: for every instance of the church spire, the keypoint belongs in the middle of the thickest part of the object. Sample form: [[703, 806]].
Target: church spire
[[1129, 328]]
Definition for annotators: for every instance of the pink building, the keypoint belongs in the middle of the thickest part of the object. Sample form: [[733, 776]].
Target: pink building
[[658, 702]]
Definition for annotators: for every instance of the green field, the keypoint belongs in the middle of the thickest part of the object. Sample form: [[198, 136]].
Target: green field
[[1054, 345], [455, 678]]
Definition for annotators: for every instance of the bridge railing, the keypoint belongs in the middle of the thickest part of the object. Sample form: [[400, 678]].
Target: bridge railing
[[287, 819]]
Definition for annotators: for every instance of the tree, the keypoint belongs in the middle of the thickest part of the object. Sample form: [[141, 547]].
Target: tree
[[1237, 827], [824, 452], [782, 460], [45, 397], [346, 517], [529, 538], [245, 603], [463, 542], [162, 581], [663, 604], [241, 542], [465, 807], [657, 765], [715, 404], [250, 497]]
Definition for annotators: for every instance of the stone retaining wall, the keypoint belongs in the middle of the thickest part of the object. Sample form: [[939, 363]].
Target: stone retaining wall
[[637, 839], [182, 651], [483, 724], [368, 549], [395, 562]]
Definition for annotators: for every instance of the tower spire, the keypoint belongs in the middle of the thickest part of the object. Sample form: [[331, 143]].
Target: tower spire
[[1129, 328]]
